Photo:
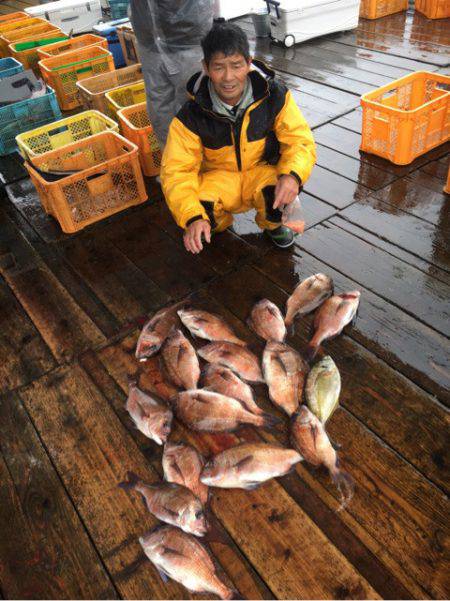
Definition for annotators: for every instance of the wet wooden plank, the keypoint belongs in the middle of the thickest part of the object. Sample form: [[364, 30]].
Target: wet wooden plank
[[427, 180], [410, 196], [11, 169], [361, 173], [424, 240], [158, 256], [334, 189], [355, 67], [111, 377], [257, 536], [341, 98], [92, 453], [225, 252], [400, 283], [395, 511], [75, 285], [125, 290], [66, 329], [394, 46], [348, 142], [23, 354], [437, 169], [351, 121], [372, 55], [44, 549]]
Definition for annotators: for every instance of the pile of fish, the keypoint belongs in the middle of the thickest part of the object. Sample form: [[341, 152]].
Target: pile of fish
[[219, 398]]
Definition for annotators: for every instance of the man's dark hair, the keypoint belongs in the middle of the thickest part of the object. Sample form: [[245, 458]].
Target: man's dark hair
[[226, 38]]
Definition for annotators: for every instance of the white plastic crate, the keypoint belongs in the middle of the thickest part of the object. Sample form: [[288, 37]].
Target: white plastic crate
[[69, 15], [292, 22]]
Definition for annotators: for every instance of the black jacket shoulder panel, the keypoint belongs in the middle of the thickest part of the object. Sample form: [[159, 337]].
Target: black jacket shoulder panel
[[214, 133]]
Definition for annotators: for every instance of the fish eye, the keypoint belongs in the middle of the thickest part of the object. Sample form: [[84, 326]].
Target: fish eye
[[199, 514]]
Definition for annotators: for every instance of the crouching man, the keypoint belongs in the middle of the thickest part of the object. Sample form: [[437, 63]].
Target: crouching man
[[239, 143]]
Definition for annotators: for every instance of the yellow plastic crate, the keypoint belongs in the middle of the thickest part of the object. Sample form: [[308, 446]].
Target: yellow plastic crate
[[125, 96], [135, 126], [7, 29], [26, 51], [375, 9], [63, 132], [92, 91], [81, 41], [433, 9], [407, 118], [63, 71], [104, 177]]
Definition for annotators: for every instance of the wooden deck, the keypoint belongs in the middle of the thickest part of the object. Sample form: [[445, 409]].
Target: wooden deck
[[71, 307]]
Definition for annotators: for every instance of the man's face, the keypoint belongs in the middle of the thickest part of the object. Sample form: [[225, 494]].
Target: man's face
[[228, 75]]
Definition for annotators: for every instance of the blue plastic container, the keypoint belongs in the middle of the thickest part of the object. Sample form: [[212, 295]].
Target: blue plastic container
[[9, 66], [109, 31], [26, 115], [119, 8]]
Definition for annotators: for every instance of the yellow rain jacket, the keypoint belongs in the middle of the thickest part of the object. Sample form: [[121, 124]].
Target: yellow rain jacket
[[212, 167]]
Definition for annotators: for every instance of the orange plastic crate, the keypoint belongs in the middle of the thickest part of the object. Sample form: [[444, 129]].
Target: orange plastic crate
[[407, 118], [29, 56], [7, 28], [62, 72], [433, 9], [135, 126], [447, 185], [93, 90], [107, 179], [13, 17], [375, 9], [81, 41]]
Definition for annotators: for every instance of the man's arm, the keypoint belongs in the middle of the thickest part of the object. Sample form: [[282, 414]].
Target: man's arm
[[180, 167], [298, 151]]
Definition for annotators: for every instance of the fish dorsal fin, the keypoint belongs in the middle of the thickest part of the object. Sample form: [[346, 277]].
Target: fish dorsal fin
[[174, 514], [170, 551], [197, 397], [174, 465], [145, 402], [243, 462], [289, 362], [342, 304], [272, 311], [314, 432], [227, 376], [181, 351], [200, 320]]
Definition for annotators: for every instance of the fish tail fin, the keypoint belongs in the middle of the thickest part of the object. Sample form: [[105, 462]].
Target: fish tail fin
[[132, 380], [311, 350], [345, 485], [130, 482], [268, 421]]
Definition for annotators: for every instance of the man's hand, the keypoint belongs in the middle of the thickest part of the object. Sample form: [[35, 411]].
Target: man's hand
[[193, 235], [286, 191]]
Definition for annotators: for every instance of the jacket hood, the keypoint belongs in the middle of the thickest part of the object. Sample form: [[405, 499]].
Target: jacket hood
[[260, 75]]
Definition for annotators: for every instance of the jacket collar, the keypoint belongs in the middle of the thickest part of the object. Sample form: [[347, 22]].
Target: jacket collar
[[260, 76]]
